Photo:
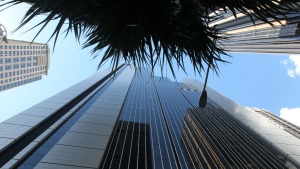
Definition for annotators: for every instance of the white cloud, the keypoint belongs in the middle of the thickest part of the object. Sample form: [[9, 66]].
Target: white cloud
[[285, 62], [292, 115], [291, 73], [296, 60], [293, 65]]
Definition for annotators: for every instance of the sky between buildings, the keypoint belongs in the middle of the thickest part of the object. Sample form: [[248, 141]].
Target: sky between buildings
[[271, 82]]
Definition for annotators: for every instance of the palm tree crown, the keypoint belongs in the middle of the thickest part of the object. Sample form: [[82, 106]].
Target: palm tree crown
[[150, 32]]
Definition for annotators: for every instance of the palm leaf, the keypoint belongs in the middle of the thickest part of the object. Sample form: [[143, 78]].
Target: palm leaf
[[146, 33]]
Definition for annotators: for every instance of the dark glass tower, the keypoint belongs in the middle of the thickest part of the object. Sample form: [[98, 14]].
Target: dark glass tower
[[128, 119]]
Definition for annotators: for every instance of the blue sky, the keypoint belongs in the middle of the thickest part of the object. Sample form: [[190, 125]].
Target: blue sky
[[253, 80]]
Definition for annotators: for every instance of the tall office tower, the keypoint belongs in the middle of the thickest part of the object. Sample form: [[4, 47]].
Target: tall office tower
[[244, 36], [128, 119], [21, 62], [284, 124]]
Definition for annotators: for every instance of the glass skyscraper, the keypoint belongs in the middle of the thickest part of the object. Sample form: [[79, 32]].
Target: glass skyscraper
[[129, 119]]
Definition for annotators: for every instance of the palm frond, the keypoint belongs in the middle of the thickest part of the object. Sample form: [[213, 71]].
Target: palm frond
[[146, 33]]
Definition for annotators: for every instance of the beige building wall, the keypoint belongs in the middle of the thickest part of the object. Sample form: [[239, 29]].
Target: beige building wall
[[22, 62]]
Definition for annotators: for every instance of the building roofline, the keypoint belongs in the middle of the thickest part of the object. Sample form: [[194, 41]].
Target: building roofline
[[13, 40]]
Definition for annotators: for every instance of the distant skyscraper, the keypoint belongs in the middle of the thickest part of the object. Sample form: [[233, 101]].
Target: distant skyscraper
[[243, 36], [126, 119], [21, 62]]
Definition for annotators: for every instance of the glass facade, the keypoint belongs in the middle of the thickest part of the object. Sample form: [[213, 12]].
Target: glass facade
[[141, 122], [156, 112], [36, 156], [131, 120]]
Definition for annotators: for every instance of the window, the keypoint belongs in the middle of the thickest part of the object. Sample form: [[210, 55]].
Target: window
[[7, 60], [17, 47], [29, 58], [14, 47], [5, 53], [14, 53], [1, 53], [9, 53], [5, 47], [9, 47], [21, 47], [8, 67], [35, 58], [1, 68], [29, 64], [16, 60], [22, 66], [16, 66], [18, 53], [23, 59], [34, 64], [1, 75], [1, 46], [1, 60]]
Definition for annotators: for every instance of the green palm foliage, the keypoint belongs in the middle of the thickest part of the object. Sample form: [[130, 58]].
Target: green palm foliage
[[150, 32]]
